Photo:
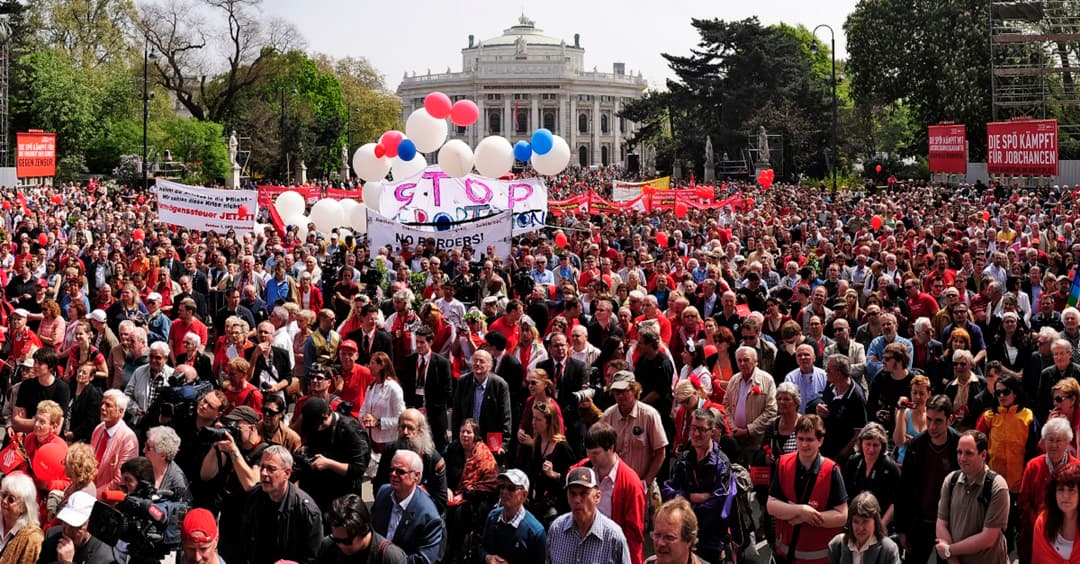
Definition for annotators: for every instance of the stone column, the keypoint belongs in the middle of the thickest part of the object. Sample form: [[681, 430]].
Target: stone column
[[573, 127], [616, 146], [564, 118], [596, 131], [479, 128], [508, 114], [534, 114]]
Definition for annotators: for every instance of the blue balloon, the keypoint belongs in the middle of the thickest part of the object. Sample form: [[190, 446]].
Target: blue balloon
[[406, 150], [522, 151], [542, 140]]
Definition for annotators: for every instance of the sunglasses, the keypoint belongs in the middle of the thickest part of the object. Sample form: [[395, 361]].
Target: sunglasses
[[319, 377], [346, 540], [270, 412], [1003, 393], [1059, 399], [400, 471]]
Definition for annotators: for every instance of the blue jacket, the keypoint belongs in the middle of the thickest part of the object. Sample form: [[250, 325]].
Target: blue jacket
[[420, 531], [712, 476], [527, 543]]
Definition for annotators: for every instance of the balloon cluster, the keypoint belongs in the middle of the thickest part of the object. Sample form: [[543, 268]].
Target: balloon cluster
[[765, 178], [426, 131], [326, 214]]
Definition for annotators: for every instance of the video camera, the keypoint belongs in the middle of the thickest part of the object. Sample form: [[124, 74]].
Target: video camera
[[180, 399], [149, 525]]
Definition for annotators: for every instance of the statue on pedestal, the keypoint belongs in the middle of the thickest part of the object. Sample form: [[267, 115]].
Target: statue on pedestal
[[710, 163], [234, 146], [763, 145]]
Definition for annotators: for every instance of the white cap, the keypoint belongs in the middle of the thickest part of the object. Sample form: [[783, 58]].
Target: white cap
[[153, 297], [77, 509], [21, 312], [97, 315]]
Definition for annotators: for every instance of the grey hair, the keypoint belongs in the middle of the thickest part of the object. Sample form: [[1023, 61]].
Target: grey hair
[[961, 354], [193, 336], [118, 397], [423, 441], [750, 350], [1063, 343], [281, 452], [923, 323], [1058, 426], [841, 362], [22, 487], [281, 314], [1049, 333], [166, 441], [160, 346], [790, 389], [416, 464]]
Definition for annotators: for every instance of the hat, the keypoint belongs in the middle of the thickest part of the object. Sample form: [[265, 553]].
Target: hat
[[526, 320], [21, 312], [348, 344], [43, 283], [312, 413], [28, 362], [516, 477], [243, 413], [153, 297], [199, 526], [582, 477], [97, 315], [496, 339], [77, 508], [491, 300], [622, 379], [333, 235]]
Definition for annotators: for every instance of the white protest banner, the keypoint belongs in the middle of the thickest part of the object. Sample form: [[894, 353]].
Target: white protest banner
[[479, 234], [206, 209], [435, 197]]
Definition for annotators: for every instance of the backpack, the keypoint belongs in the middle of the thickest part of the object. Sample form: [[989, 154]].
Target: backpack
[[738, 510], [987, 487]]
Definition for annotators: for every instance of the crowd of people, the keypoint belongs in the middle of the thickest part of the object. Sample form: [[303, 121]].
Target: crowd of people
[[869, 376]]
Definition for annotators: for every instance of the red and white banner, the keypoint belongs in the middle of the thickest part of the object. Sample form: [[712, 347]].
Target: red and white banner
[[205, 209], [1023, 147], [267, 194], [948, 149], [35, 154]]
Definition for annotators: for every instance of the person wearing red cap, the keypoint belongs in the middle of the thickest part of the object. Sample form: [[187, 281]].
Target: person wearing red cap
[[199, 537]]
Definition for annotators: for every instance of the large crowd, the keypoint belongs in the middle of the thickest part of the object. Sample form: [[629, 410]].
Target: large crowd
[[870, 375]]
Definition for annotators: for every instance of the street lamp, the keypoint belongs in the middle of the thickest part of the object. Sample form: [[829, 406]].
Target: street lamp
[[832, 48], [147, 57], [348, 138], [284, 156]]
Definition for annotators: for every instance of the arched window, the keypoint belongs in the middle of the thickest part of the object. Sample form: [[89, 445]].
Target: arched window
[[583, 156], [604, 155], [603, 123], [522, 120], [494, 123], [549, 121], [583, 123]]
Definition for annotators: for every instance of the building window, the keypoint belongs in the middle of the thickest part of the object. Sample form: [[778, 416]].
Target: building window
[[583, 123], [549, 121], [604, 124], [604, 155], [522, 120], [494, 123], [521, 96], [494, 96], [583, 155], [622, 125], [461, 131]]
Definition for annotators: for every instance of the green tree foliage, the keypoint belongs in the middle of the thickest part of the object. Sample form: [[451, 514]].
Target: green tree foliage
[[91, 33], [375, 109], [930, 55], [742, 75]]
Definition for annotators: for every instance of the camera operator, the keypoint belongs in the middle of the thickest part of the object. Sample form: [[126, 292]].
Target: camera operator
[[336, 451], [271, 366], [72, 542], [194, 446], [232, 468]]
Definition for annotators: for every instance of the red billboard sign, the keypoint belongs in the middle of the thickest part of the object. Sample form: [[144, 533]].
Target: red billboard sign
[[1023, 147], [948, 149], [35, 154]]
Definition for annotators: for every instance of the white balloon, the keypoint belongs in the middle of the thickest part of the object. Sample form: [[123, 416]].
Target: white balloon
[[289, 203], [298, 220], [358, 219], [555, 160], [347, 204], [372, 192], [456, 158], [368, 166], [327, 214], [426, 132], [405, 169], [494, 156]]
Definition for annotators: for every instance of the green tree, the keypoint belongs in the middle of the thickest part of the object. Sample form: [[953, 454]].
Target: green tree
[[91, 33], [200, 146]]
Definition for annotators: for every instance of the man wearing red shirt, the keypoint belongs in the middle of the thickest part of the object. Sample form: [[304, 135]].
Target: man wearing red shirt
[[920, 303], [622, 495], [650, 309], [184, 324], [510, 323]]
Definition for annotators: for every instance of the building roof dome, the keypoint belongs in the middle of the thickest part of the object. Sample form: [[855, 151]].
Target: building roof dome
[[525, 29]]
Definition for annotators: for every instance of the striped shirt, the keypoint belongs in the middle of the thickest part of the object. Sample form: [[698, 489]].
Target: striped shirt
[[604, 543]]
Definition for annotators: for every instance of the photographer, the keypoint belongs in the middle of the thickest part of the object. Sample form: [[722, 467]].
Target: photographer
[[194, 446], [336, 452], [232, 468]]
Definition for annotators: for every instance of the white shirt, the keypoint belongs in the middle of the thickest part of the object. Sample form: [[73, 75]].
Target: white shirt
[[607, 489]]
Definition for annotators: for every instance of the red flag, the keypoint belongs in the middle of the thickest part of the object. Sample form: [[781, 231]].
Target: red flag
[[275, 220], [692, 183]]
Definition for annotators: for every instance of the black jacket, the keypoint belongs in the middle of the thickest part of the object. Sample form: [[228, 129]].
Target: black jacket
[[291, 530], [379, 551], [912, 480], [343, 442], [494, 412], [438, 391]]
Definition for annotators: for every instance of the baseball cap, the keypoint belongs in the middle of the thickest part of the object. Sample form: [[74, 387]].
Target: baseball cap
[[153, 297], [21, 312], [243, 413], [97, 315], [348, 344], [199, 527], [312, 413], [516, 477], [77, 508], [43, 283], [582, 477], [621, 380]]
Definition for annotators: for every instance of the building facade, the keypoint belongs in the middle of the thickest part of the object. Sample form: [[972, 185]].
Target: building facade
[[523, 80]]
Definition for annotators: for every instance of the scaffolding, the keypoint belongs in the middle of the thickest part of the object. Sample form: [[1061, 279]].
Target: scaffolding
[[1034, 61], [5, 133]]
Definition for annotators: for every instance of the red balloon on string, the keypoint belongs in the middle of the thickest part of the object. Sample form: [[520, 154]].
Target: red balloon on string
[[43, 239], [661, 238], [141, 200], [7, 205], [560, 240], [138, 235], [390, 141], [48, 463], [57, 199], [380, 151], [876, 222], [986, 215], [681, 210], [877, 169]]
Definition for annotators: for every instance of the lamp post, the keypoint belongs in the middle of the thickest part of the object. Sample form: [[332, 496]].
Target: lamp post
[[348, 137], [284, 155], [147, 57], [832, 48]]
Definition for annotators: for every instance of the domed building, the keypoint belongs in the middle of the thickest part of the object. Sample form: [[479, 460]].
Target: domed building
[[523, 80]]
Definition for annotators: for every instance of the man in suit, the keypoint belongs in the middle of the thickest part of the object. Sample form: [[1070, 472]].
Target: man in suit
[[114, 443], [370, 337], [509, 368], [187, 290], [485, 397], [270, 365], [405, 513], [232, 308], [571, 383], [750, 398], [428, 384]]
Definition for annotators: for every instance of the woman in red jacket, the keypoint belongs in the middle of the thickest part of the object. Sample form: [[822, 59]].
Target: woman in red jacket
[[1056, 529]]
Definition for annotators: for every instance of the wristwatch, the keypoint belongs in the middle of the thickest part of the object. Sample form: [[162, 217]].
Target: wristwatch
[[948, 552]]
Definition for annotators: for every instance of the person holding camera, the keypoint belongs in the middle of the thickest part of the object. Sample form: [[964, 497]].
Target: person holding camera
[[232, 468], [146, 382], [336, 453]]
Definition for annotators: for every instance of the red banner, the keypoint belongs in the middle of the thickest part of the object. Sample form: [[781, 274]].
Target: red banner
[[575, 205], [340, 194], [35, 154], [1024, 147], [948, 149], [267, 193]]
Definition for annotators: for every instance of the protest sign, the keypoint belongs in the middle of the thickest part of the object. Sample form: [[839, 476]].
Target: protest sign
[[478, 234], [206, 209], [35, 154], [1023, 147], [948, 149]]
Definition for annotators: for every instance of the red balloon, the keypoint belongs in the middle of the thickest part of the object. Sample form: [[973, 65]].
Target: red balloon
[[560, 240], [681, 210], [986, 215], [138, 234], [661, 238], [380, 151], [243, 211], [57, 199], [876, 222], [43, 239], [141, 200], [438, 105], [48, 462], [769, 173], [7, 205], [877, 168], [464, 113], [390, 140]]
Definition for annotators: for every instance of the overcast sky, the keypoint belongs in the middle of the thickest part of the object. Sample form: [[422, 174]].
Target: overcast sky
[[400, 37]]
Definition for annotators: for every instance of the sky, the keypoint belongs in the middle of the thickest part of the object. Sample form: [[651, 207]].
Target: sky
[[425, 34]]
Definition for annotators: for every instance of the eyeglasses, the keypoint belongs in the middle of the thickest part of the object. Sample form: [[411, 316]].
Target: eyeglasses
[[888, 357], [157, 356], [1059, 399], [8, 498], [700, 429], [347, 540], [532, 382], [668, 538], [1003, 393], [270, 412], [400, 471], [315, 377], [961, 363]]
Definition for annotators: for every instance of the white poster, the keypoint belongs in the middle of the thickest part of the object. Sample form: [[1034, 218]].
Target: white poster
[[491, 231], [206, 209], [436, 197]]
